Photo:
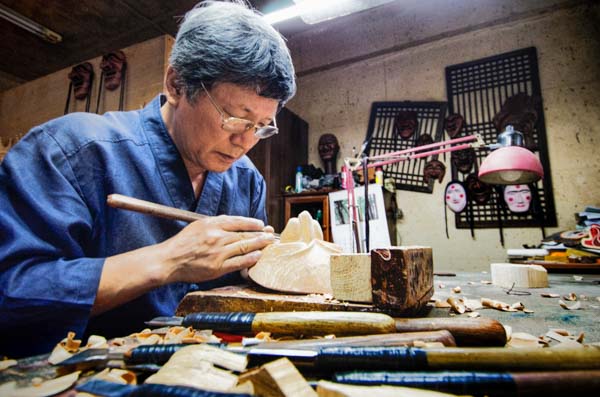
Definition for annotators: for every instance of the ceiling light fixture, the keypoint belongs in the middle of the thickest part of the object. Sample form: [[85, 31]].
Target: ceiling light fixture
[[315, 11], [31, 26]]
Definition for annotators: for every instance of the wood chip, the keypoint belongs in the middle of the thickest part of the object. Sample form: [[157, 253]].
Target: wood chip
[[7, 364], [571, 297], [47, 388], [473, 314], [549, 295], [457, 305], [456, 290], [441, 304], [575, 306], [577, 278], [524, 340], [498, 305]]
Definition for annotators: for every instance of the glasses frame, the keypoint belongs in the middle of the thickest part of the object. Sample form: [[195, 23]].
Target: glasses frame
[[264, 132]]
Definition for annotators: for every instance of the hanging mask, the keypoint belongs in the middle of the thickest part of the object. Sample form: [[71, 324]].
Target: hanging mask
[[113, 67], [434, 170], [518, 111], [455, 196], [517, 198], [478, 191], [81, 77], [463, 160], [453, 124], [424, 139], [405, 124]]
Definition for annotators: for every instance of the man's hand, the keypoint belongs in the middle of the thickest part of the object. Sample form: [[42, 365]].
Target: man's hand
[[209, 248]]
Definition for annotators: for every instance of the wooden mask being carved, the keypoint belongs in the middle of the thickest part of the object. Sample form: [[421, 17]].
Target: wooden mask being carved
[[453, 124], [434, 170], [463, 160], [478, 191], [405, 124], [81, 78], [113, 66], [518, 111]]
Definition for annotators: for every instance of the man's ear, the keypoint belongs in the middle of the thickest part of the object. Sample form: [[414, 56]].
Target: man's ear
[[173, 89]]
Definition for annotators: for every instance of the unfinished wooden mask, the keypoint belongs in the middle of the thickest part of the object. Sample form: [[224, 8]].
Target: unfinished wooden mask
[[453, 124], [434, 169]]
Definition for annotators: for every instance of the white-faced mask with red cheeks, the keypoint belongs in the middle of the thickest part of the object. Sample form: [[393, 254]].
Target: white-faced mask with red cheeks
[[517, 198], [456, 196]]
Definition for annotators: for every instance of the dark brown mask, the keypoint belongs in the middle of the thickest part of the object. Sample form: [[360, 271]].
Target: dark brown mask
[[518, 111], [81, 77], [453, 124], [463, 160], [328, 147], [113, 66], [478, 191], [405, 124], [424, 139], [434, 170]]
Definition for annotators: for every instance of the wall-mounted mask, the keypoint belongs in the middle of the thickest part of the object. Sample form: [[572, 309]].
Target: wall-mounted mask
[[81, 77], [517, 198], [113, 67], [455, 196], [453, 124], [434, 170], [478, 191], [424, 139], [518, 111], [328, 147], [463, 160], [405, 124]]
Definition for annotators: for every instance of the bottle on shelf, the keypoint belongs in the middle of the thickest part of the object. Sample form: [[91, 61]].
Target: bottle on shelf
[[379, 176], [298, 185]]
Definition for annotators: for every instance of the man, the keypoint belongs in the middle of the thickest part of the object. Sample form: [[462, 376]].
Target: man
[[70, 263]]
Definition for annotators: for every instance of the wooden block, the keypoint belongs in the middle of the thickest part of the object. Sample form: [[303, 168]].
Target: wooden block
[[520, 276], [401, 277], [351, 277], [279, 378]]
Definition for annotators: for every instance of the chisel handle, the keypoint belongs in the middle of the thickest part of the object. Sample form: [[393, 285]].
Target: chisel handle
[[466, 331], [151, 354], [294, 323]]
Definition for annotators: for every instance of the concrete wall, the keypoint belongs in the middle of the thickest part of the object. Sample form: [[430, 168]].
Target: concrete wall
[[336, 96]]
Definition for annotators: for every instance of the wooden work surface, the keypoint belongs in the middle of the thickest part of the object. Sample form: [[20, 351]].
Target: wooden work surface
[[255, 299], [547, 313]]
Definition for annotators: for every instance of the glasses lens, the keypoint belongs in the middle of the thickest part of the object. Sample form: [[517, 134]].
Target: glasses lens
[[237, 126], [266, 131]]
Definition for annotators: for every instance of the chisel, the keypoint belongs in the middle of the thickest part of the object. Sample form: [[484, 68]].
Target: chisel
[[285, 323], [493, 384], [157, 355], [99, 387]]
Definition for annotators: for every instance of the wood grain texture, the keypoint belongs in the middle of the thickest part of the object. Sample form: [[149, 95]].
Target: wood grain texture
[[521, 276], [323, 323], [401, 276], [279, 378], [351, 277]]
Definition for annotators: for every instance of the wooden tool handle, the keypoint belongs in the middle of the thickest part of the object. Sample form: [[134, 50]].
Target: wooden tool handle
[[294, 323], [147, 207], [466, 331], [403, 339], [323, 323]]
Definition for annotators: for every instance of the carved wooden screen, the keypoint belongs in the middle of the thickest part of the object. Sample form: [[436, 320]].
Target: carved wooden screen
[[478, 90]]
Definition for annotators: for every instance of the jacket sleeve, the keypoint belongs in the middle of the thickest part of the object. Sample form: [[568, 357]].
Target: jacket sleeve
[[47, 283]]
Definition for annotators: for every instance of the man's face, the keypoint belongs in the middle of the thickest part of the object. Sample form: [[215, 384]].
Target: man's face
[[197, 132]]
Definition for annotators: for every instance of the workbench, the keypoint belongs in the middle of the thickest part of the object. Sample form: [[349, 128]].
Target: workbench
[[547, 313]]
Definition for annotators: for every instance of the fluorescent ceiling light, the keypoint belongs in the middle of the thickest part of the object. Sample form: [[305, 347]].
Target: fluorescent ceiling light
[[315, 11], [31, 26]]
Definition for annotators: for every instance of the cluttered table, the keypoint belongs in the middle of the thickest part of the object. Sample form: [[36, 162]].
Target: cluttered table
[[531, 313]]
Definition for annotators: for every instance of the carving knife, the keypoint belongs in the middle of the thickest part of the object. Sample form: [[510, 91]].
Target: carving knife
[[285, 323], [150, 208]]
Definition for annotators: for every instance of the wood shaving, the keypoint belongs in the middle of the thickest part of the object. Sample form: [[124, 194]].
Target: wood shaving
[[577, 278], [456, 290], [473, 314], [472, 304], [560, 331], [117, 375], [47, 388], [442, 304], [575, 306], [571, 297], [457, 305], [524, 340], [498, 305], [487, 282], [4, 364], [517, 306], [549, 295]]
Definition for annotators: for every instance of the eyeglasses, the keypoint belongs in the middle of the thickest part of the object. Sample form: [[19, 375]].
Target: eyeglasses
[[236, 125]]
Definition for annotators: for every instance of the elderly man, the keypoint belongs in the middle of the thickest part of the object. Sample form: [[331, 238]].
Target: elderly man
[[70, 263]]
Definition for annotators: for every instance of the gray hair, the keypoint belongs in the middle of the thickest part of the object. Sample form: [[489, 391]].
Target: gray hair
[[228, 42]]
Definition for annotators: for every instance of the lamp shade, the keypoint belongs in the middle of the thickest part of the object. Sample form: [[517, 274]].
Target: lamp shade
[[510, 165]]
